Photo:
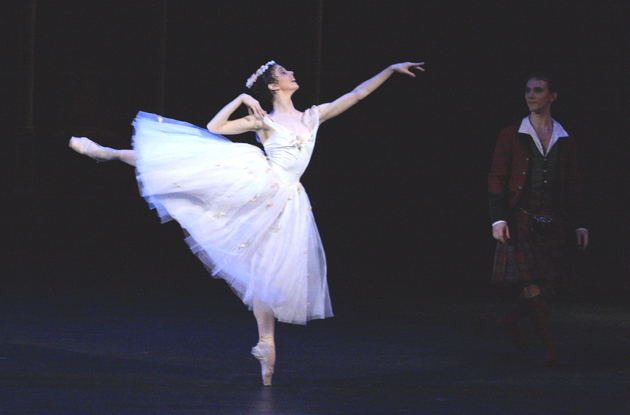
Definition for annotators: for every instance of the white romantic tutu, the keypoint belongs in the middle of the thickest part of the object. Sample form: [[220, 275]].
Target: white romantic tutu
[[246, 215]]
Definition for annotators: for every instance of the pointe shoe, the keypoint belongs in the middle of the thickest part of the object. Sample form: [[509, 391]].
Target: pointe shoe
[[266, 354], [85, 146]]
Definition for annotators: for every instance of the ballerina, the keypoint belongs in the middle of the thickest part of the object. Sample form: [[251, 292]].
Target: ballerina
[[244, 211]]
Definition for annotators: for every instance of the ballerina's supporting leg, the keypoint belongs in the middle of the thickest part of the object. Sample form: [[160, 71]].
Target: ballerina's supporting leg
[[84, 145], [265, 350]]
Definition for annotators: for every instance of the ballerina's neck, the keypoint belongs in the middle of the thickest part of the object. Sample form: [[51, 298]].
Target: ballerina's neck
[[282, 104]]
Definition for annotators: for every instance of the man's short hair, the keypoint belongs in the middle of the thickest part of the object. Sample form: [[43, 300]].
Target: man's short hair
[[552, 85]]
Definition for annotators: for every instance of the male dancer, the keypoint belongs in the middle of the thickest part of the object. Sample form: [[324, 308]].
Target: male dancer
[[535, 194]]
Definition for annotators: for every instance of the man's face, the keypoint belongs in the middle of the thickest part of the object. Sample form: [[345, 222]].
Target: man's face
[[537, 96]]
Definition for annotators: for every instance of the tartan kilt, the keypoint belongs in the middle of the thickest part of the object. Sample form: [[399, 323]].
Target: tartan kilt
[[529, 258]]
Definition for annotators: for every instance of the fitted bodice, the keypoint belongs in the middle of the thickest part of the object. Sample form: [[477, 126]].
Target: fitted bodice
[[289, 152]]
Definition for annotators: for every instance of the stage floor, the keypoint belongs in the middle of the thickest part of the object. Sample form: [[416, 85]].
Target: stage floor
[[142, 351]]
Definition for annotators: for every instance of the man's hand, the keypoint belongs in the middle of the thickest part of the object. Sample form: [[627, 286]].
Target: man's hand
[[582, 239], [500, 232]]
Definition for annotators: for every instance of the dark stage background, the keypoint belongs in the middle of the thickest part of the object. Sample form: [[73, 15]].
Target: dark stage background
[[398, 183]]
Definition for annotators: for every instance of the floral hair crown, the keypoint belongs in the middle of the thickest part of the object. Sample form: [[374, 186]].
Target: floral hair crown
[[258, 73]]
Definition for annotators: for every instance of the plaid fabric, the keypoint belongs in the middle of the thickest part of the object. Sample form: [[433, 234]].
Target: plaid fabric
[[528, 258], [510, 171]]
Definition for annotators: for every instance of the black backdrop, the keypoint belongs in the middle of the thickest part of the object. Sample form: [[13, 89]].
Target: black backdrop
[[397, 183]]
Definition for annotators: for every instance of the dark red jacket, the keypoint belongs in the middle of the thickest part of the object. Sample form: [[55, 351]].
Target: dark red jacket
[[510, 167]]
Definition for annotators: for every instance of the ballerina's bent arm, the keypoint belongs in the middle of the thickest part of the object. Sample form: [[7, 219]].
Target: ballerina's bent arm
[[221, 124], [341, 104]]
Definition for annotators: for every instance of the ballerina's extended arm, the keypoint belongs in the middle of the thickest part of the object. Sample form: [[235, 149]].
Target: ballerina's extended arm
[[221, 124], [330, 110]]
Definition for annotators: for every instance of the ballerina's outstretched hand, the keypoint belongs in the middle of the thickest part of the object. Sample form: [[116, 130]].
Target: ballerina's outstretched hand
[[341, 104], [406, 66]]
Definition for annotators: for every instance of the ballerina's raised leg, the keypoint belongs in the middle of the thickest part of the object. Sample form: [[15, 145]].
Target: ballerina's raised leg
[[85, 146], [265, 350]]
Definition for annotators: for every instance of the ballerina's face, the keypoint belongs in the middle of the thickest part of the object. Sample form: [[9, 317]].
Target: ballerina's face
[[286, 80]]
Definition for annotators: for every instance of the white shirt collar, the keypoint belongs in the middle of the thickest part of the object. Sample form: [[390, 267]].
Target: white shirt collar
[[527, 128]]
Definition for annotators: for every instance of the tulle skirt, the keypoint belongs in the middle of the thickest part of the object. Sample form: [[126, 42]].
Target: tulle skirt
[[246, 225]]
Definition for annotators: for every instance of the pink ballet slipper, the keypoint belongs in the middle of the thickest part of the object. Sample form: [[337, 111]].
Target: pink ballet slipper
[[85, 146], [266, 354]]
